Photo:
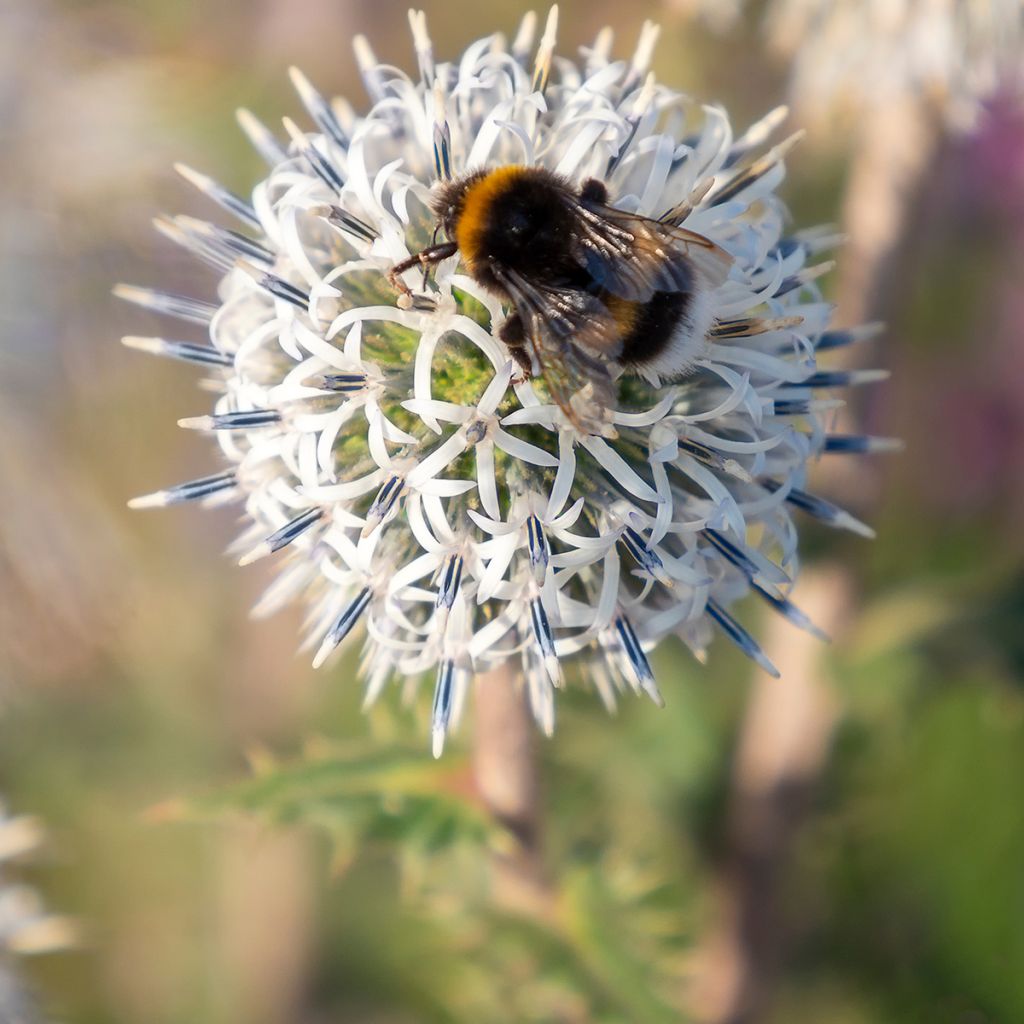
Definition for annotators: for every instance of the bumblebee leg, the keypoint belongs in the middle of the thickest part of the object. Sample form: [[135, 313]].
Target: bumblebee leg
[[594, 191], [426, 266], [513, 337], [522, 357], [424, 258]]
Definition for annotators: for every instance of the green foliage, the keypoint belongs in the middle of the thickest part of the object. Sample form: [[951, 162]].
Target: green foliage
[[611, 945]]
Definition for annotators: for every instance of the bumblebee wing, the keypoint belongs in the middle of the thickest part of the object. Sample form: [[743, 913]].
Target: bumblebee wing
[[557, 316], [572, 336], [633, 257]]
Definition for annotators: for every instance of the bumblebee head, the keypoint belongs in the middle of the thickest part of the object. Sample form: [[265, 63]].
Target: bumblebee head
[[503, 214], [449, 199]]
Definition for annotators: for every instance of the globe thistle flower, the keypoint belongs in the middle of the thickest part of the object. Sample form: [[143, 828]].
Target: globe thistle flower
[[854, 56], [408, 480], [862, 54]]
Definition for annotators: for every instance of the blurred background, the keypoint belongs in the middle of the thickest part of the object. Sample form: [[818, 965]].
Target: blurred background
[[843, 846]]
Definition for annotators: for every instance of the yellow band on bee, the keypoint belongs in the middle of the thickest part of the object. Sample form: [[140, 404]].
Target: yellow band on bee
[[623, 311], [469, 231]]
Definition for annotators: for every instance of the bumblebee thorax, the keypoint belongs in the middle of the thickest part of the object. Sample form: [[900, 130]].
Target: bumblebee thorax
[[513, 216]]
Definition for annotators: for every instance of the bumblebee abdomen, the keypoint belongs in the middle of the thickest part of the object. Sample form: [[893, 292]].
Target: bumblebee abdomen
[[653, 330]]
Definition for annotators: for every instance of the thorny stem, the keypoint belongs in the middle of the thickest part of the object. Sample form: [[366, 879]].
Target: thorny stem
[[507, 776]]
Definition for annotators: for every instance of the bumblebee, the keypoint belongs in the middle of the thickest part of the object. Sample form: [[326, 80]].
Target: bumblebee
[[593, 290]]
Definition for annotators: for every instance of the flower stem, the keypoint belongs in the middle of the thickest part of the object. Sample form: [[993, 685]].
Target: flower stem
[[507, 776]]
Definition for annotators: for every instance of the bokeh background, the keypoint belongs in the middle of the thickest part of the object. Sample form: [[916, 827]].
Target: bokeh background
[[843, 846]]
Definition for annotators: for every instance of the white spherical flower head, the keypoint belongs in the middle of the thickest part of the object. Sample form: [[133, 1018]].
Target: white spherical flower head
[[411, 479], [851, 59], [865, 55]]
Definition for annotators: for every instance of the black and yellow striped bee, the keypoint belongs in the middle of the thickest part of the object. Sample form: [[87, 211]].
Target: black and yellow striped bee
[[594, 290]]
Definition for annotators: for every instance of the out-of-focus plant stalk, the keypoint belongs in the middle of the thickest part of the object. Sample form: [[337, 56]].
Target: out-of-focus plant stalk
[[788, 725], [784, 742], [896, 145], [16, 1007], [507, 776]]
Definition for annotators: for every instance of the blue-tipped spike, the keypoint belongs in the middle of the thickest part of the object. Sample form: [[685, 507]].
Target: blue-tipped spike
[[545, 640], [788, 610], [860, 444], [383, 503], [824, 511], [451, 579], [179, 306], [225, 199], [632, 123], [248, 419], [803, 277], [343, 625], [276, 286], [284, 536], [191, 241], [840, 339], [840, 379], [542, 628], [745, 177], [786, 247], [192, 490], [714, 460], [634, 652], [185, 351], [443, 151], [744, 560], [345, 383], [318, 108], [794, 407], [740, 637], [537, 545], [442, 710], [345, 221], [321, 166], [261, 137], [231, 244], [645, 557], [750, 326]]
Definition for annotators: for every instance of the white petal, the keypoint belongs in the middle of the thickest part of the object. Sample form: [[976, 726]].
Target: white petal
[[495, 391], [421, 378], [438, 460], [617, 466], [523, 449], [486, 482], [446, 488], [434, 409], [564, 477], [504, 549]]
